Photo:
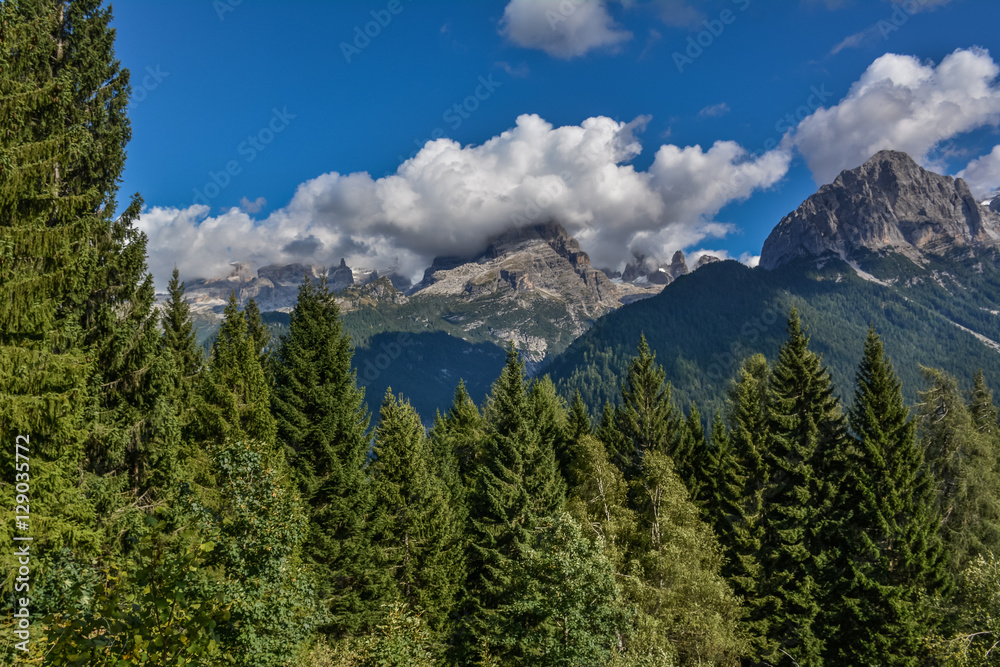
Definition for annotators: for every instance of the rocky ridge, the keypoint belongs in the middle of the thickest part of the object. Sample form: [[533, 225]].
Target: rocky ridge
[[888, 205]]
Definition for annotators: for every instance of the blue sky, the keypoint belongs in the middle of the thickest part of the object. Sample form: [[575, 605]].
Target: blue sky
[[275, 132]]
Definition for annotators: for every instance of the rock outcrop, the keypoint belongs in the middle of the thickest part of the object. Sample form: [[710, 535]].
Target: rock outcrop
[[887, 205]]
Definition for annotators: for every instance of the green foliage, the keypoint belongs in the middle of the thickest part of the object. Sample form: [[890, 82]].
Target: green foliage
[[805, 457], [964, 463], [977, 641], [684, 606], [647, 419], [259, 526], [563, 606], [157, 614], [418, 537], [322, 422], [235, 396], [890, 548], [400, 640]]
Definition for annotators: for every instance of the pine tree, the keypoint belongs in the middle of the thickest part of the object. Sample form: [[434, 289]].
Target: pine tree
[[647, 419], [418, 537], [805, 456], [179, 336], [261, 337], [985, 416], [964, 465], [76, 309], [322, 424], [888, 533], [502, 509], [548, 420], [739, 506], [236, 401]]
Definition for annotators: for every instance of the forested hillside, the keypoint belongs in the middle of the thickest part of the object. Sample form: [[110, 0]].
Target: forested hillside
[[245, 508], [703, 325]]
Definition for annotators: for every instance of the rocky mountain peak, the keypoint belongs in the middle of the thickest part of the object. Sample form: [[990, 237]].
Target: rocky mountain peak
[[890, 204]]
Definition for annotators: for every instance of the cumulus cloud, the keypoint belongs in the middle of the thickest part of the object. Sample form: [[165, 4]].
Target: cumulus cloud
[[450, 199], [562, 28], [902, 104], [983, 174], [254, 206]]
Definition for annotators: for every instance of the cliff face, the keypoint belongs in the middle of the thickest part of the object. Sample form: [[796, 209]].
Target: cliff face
[[541, 260], [887, 205]]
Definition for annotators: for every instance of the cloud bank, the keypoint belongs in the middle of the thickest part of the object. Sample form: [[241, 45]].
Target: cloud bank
[[450, 199], [902, 104]]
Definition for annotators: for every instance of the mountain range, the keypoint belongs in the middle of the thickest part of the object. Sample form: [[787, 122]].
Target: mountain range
[[888, 244]]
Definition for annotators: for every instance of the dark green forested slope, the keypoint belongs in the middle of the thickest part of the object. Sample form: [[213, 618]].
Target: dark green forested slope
[[704, 324]]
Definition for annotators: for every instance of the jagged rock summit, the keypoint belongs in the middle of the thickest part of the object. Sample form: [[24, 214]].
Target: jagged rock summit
[[541, 259], [890, 204]]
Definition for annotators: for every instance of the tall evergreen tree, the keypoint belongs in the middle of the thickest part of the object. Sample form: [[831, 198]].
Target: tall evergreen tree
[[807, 432], [888, 531], [739, 506], [548, 419], [963, 462], [179, 336], [79, 357], [322, 423], [647, 419], [236, 400], [417, 535], [502, 509]]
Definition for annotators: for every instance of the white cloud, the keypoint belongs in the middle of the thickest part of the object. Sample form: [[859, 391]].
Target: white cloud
[[902, 104], [714, 110], [750, 260], [562, 28], [983, 174], [449, 199], [254, 206]]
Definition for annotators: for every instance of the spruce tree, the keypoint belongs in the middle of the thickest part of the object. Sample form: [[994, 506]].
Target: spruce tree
[[647, 419], [888, 532], [964, 465], [548, 419], [235, 399], [417, 536], [79, 352], [179, 336], [739, 507], [502, 509], [322, 423], [807, 434]]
